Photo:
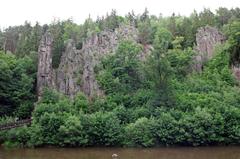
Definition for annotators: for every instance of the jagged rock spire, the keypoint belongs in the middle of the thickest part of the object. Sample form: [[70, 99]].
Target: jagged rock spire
[[45, 77]]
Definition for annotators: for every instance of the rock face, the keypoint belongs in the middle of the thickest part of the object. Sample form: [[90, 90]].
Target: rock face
[[236, 72], [45, 75], [206, 38], [76, 69], [68, 73]]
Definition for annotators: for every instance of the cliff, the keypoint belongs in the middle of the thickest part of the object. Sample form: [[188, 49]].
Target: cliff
[[206, 39], [76, 69]]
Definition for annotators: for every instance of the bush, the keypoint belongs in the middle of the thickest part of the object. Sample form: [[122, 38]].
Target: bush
[[71, 133], [123, 114], [203, 127], [49, 124], [140, 112], [24, 110], [80, 102], [50, 96], [49, 115], [167, 130], [140, 133], [101, 104], [103, 129], [231, 117], [17, 137]]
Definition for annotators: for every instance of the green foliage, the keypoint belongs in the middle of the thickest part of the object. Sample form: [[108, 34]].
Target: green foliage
[[102, 104], [146, 30], [71, 30], [104, 129], [207, 17], [71, 133], [113, 20], [233, 32], [202, 127], [166, 129], [147, 102], [29, 39], [50, 96], [120, 71], [180, 60], [140, 133], [223, 15], [159, 71], [17, 137], [80, 102], [57, 31], [16, 83], [24, 110]]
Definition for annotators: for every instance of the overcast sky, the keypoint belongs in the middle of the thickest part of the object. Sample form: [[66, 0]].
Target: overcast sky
[[15, 12]]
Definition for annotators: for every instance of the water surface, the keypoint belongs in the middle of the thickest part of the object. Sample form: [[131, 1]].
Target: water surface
[[123, 153]]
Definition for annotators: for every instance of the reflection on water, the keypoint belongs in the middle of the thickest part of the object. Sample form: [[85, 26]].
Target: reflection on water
[[123, 153]]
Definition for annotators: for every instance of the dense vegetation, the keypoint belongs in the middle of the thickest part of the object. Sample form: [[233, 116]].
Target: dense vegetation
[[159, 101]]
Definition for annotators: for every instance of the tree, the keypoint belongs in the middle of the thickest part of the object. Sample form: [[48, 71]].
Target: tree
[[16, 83], [71, 31], [112, 21], [145, 32], [35, 37], [207, 17], [1, 40], [11, 36], [233, 32], [172, 25], [145, 15], [180, 59], [57, 30], [120, 72], [186, 29], [223, 16], [24, 42], [132, 18], [159, 70]]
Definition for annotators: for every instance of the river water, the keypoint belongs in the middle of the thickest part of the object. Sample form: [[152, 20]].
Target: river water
[[123, 153]]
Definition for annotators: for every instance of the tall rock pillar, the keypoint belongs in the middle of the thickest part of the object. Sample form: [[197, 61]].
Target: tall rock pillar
[[45, 77]]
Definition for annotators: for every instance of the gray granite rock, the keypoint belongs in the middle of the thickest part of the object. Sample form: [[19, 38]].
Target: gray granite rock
[[206, 38], [45, 74], [76, 69]]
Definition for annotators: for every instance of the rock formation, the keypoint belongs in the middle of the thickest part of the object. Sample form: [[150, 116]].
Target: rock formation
[[236, 72], [45, 75], [206, 38], [69, 72], [76, 69]]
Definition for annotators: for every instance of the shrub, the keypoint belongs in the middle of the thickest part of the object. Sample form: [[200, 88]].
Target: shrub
[[80, 102], [167, 129], [203, 127], [17, 137], [71, 133], [140, 133], [103, 129]]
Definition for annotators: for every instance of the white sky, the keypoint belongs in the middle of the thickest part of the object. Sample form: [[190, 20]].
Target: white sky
[[15, 12]]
